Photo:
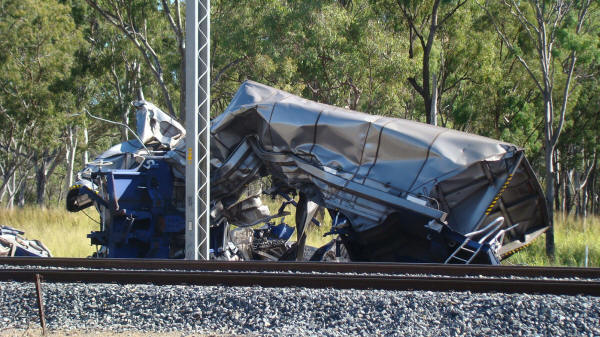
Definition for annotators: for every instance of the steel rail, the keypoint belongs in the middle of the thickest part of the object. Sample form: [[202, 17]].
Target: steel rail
[[320, 267], [344, 281]]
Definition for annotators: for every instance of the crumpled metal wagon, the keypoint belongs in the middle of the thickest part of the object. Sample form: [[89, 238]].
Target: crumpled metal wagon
[[396, 190]]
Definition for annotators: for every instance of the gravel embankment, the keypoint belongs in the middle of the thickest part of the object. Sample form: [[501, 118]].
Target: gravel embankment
[[297, 311]]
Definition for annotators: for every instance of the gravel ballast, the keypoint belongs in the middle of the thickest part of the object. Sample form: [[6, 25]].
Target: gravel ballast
[[296, 311]]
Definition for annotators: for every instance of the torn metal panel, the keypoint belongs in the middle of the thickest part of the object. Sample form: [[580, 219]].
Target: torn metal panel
[[155, 125], [12, 243]]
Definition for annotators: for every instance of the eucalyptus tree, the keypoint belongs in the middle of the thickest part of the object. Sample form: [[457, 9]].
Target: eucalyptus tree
[[155, 29], [36, 53], [424, 20], [118, 76], [577, 152], [334, 52], [549, 30]]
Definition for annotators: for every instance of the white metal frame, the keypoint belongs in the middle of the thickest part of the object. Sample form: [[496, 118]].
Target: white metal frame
[[197, 106]]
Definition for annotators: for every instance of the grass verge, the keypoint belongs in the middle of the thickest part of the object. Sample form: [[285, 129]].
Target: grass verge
[[571, 236], [64, 233]]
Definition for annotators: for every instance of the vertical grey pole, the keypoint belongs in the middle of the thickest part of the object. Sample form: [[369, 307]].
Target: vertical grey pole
[[197, 106]]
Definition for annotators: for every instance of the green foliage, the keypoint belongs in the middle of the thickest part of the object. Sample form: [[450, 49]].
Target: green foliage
[[58, 58], [318, 49], [36, 53]]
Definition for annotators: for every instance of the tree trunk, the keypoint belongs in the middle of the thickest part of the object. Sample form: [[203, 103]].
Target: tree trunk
[[592, 188], [123, 130], [434, 97], [41, 179], [550, 203], [584, 202], [569, 194], [71, 165], [71, 152], [85, 157], [577, 184], [557, 181], [549, 151], [46, 166], [578, 203], [563, 191], [12, 186], [426, 92], [62, 188], [3, 191], [22, 193]]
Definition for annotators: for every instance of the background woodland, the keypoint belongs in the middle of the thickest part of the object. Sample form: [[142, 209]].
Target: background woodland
[[525, 72]]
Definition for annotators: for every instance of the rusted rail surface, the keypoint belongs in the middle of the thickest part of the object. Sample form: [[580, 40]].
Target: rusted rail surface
[[320, 267], [341, 281]]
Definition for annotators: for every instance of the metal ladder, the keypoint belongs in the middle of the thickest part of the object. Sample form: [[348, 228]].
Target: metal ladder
[[469, 254]]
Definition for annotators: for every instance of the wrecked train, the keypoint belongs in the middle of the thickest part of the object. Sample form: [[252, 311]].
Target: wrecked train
[[12, 243], [396, 190]]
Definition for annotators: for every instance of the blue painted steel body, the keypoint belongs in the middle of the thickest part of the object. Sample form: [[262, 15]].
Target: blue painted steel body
[[144, 220]]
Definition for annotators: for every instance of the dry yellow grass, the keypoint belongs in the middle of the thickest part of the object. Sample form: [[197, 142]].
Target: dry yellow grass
[[64, 233], [571, 236]]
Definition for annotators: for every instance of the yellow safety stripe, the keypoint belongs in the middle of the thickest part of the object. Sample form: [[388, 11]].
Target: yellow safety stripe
[[493, 204]]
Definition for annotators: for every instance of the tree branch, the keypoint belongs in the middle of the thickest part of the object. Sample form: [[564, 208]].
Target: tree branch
[[449, 14], [510, 46], [226, 67], [142, 44], [174, 26], [411, 22], [416, 85]]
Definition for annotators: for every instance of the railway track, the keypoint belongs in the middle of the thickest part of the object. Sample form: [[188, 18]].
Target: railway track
[[390, 276], [321, 267]]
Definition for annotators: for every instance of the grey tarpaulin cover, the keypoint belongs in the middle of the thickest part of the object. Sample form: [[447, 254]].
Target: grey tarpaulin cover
[[369, 167]]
